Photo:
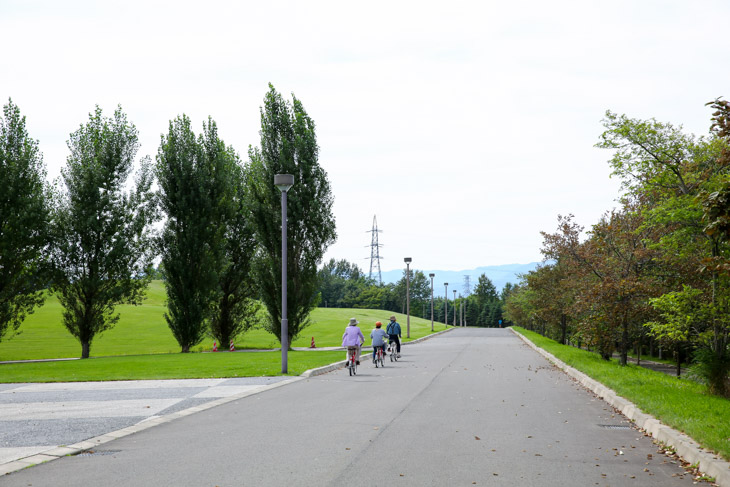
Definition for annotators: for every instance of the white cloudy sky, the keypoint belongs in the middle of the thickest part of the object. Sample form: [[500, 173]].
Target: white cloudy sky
[[465, 126]]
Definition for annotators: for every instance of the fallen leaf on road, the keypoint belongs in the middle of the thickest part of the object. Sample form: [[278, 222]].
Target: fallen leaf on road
[[477, 438], [346, 448]]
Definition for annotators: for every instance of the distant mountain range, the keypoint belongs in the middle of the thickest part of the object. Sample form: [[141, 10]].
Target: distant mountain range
[[498, 274]]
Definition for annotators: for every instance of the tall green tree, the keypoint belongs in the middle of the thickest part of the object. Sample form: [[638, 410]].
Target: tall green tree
[[334, 277], [198, 178], [235, 311], [102, 231], [24, 221], [289, 146], [679, 177]]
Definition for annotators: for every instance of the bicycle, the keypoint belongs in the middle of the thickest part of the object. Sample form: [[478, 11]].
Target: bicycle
[[378, 357], [393, 353], [352, 360]]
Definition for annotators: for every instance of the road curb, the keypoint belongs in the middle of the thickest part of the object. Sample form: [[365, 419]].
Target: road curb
[[338, 365], [709, 463]]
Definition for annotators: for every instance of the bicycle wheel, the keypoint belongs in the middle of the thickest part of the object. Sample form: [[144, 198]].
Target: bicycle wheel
[[382, 361], [349, 367]]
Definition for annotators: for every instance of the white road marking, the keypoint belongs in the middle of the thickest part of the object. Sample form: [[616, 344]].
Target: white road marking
[[115, 385], [84, 409]]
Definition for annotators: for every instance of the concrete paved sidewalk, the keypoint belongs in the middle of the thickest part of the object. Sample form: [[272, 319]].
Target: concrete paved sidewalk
[[38, 418]]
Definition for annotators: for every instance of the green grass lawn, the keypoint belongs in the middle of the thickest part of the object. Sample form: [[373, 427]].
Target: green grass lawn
[[167, 366], [141, 346], [142, 330], [680, 403]]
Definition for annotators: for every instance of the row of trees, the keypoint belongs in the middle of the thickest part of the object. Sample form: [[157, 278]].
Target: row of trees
[[657, 268], [90, 237], [344, 285]]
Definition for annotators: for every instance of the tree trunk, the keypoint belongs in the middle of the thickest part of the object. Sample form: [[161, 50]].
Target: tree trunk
[[185, 349], [624, 344], [638, 350], [85, 348], [679, 361], [563, 329]]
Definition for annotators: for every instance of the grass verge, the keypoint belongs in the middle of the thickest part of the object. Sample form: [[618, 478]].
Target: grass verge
[[167, 366], [680, 403], [143, 330]]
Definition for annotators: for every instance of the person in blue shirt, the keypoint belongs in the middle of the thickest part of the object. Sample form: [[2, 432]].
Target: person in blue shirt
[[394, 333], [378, 337]]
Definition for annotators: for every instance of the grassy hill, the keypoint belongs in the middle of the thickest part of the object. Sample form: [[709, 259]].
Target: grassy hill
[[143, 330]]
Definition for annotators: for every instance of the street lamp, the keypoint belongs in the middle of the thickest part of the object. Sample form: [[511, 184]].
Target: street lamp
[[408, 260], [431, 276], [461, 311], [454, 307], [284, 182], [446, 304]]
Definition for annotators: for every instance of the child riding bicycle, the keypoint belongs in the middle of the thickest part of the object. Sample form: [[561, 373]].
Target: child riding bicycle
[[378, 337]]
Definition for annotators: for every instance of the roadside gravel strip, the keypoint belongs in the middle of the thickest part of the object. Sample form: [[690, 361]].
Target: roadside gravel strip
[[33, 415], [709, 464]]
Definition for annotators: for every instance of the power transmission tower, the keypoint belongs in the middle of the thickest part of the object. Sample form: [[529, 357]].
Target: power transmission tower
[[467, 292], [375, 251]]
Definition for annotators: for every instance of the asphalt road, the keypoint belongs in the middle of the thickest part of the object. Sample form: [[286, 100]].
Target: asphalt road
[[471, 407]]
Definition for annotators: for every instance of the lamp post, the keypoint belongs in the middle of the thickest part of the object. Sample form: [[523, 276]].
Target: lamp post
[[461, 311], [408, 260], [446, 304], [284, 182], [431, 276], [454, 307]]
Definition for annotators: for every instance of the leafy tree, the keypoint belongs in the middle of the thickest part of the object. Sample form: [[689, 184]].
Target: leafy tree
[[484, 290], [103, 237], [236, 309], [289, 146], [333, 278], [24, 220], [678, 312], [675, 173], [198, 178]]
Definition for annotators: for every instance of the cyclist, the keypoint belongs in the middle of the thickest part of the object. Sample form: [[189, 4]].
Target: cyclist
[[353, 338], [378, 337], [394, 334]]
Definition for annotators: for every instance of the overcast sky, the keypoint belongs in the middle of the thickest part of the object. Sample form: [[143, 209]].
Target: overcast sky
[[465, 126]]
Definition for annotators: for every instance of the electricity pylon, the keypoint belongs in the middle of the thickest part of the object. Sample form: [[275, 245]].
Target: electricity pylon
[[375, 251]]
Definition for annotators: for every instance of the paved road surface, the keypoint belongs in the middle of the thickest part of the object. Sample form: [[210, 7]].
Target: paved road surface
[[38, 417], [472, 407]]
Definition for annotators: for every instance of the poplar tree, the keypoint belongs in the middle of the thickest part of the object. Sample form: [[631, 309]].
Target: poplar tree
[[24, 219], [199, 179], [102, 231], [289, 146]]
